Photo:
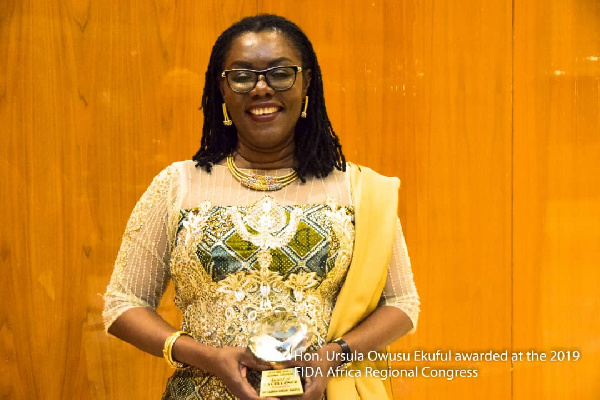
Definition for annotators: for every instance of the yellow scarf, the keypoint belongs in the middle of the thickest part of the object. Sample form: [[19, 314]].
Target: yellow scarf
[[375, 200]]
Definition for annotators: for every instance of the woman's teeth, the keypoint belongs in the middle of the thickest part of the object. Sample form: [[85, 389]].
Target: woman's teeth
[[263, 111]]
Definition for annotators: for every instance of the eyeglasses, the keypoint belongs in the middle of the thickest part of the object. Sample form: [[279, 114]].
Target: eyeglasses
[[278, 78]]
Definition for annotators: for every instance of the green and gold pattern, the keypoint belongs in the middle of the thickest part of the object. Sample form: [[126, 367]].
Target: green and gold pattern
[[230, 264]]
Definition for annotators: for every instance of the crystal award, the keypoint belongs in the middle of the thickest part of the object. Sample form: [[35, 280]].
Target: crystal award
[[276, 337]]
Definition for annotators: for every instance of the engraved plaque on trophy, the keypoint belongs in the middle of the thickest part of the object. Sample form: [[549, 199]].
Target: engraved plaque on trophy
[[276, 337]]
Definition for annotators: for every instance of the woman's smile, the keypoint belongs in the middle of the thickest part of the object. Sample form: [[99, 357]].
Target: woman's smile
[[263, 112], [264, 118]]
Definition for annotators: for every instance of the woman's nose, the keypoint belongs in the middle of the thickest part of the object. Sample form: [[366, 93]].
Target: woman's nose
[[262, 88]]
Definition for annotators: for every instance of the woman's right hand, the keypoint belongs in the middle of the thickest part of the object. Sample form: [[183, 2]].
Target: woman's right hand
[[145, 329], [230, 366]]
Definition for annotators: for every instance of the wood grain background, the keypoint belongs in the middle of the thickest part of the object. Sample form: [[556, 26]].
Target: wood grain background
[[489, 112]]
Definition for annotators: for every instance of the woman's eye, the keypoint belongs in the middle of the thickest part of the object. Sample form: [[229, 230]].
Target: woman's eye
[[242, 77], [282, 74]]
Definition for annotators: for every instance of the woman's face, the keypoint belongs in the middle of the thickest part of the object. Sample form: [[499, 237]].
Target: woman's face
[[265, 119]]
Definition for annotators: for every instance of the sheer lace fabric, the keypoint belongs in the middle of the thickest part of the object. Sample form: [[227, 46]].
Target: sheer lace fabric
[[142, 269]]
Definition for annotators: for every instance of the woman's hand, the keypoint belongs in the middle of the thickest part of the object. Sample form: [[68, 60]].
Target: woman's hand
[[230, 366], [314, 387], [316, 383]]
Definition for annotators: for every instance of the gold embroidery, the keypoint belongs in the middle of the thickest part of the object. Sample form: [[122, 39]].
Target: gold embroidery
[[219, 309], [268, 219], [343, 228], [301, 282]]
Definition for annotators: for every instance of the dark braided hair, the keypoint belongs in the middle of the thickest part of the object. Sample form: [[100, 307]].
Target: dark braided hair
[[317, 148]]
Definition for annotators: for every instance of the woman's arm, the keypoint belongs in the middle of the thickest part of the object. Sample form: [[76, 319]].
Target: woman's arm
[[146, 330], [396, 315], [384, 326], [143, 328], [398, 311], [139, 279]]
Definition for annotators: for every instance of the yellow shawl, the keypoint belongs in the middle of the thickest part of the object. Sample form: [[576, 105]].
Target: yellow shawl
[[375, 200]]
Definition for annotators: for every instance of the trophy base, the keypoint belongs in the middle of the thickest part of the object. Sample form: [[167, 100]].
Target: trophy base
[[280, 383]]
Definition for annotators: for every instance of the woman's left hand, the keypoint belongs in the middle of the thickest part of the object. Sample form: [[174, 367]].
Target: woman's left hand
[[315, 372], [314, 388]]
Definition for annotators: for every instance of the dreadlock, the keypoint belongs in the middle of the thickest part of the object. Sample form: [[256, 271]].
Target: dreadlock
[[317, 148]]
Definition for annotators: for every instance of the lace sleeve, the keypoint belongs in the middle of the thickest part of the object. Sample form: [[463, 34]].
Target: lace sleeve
[[400, 290], [141, 271]]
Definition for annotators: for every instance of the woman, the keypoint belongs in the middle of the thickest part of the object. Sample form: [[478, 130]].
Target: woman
[[266, 217]]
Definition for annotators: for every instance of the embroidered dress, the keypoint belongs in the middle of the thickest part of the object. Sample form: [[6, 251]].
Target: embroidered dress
[[235, 254]]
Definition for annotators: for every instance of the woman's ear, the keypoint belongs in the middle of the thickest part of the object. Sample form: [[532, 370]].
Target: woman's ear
[[306, 77], [222, 88]]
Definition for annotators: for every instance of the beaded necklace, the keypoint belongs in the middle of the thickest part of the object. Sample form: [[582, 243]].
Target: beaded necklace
[[264, 183]]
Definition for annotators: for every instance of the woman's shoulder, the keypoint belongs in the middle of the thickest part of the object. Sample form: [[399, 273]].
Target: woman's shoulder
[[186, 169], [175, 173], [358, 171], [184, 165]]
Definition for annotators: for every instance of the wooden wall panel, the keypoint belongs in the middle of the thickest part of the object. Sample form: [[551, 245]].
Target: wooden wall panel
[[557, 196], [421, 90], [463, 201], [97, 96]]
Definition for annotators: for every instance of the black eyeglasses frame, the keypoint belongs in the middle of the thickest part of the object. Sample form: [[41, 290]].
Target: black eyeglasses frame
[[263, 72]]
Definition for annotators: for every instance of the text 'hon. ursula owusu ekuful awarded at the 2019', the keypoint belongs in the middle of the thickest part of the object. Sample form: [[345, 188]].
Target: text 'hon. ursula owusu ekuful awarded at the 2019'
[[439, 363]]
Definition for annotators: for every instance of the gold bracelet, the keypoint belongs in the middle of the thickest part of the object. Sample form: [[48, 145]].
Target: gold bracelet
[[168, 349]]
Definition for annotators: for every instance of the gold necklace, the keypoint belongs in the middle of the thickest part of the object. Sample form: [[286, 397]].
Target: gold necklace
[[264, 183]]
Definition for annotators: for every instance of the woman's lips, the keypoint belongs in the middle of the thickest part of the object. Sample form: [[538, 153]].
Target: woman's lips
[[263, 113], [263, 110]]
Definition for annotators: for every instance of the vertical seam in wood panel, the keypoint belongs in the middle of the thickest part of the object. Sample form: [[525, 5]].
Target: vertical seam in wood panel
[[512, 194]]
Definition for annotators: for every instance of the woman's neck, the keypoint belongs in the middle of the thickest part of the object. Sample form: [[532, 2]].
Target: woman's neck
[[252, 159]]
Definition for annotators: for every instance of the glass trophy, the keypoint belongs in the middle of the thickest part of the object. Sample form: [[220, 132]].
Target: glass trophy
[[280, 336]]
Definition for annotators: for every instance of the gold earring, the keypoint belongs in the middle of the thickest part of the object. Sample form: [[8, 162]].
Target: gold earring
[[303, 115], [226, 120]]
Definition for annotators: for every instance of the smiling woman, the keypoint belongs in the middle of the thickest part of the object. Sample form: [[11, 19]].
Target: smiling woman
[[265, 117], [323, 247]]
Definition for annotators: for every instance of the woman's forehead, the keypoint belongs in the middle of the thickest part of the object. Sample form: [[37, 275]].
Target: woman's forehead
[[261, 50]]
